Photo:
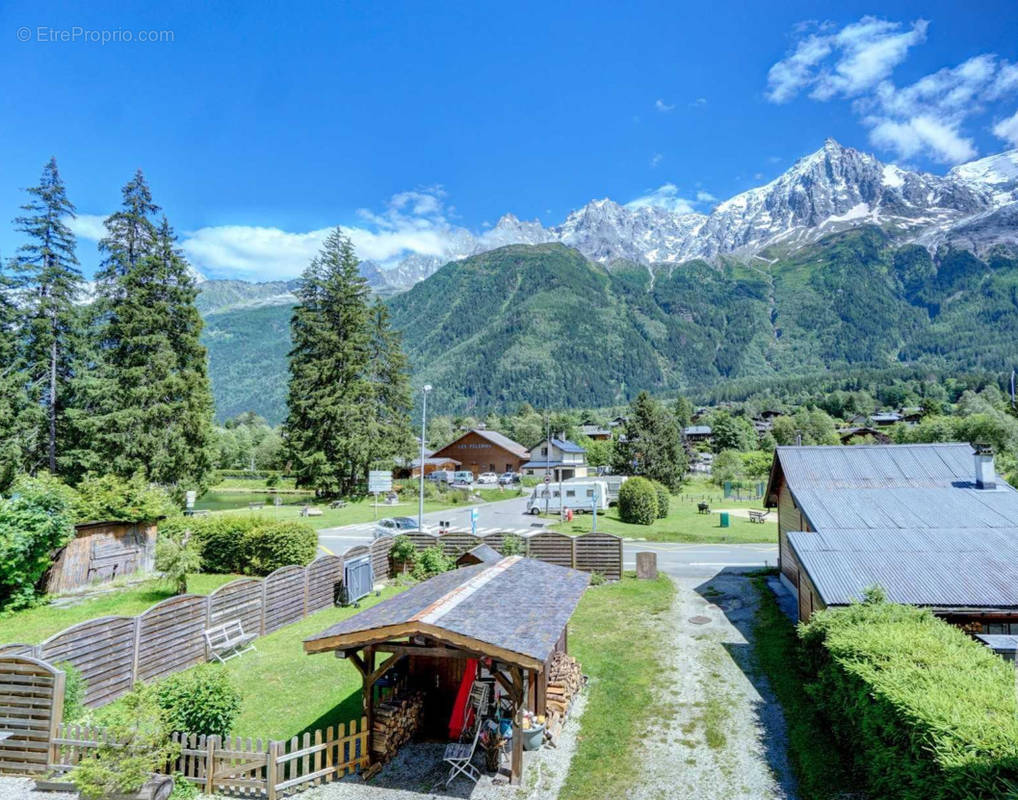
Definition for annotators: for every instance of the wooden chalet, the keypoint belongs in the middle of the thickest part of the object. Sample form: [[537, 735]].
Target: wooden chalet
[[509, 618]]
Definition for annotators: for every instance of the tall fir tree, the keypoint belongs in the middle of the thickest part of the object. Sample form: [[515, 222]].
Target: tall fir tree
[[50, 283], [652, 446], [154, 402], [13, 398], [330, 400], [390, 380], [130, 236]]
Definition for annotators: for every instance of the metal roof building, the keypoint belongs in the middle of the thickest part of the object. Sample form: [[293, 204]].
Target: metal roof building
[[930, 524]]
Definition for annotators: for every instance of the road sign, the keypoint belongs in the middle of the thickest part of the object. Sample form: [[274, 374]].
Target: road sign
[[379, 480], [473, 521], [189, 497]]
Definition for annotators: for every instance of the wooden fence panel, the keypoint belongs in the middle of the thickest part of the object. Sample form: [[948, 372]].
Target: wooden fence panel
[[241, 599], [102, 650], [170, 636], [421, 540], [493, 540], [555, 548], [380, 556], [456, 543], [19, 649], [31, 704], [356, 552], [325, 574], [284, 597], [600, 552]]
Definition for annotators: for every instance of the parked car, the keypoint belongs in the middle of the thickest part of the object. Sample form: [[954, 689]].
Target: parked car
[[394, 525], [508, 478], [440, 475], [463, 477], [487, 477]]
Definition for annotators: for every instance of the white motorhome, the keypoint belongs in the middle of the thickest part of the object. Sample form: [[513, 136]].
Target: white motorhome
[[613, 482], [577, 494]]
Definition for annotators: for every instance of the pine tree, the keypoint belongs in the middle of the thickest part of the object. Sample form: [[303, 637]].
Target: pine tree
[[330, 399], [50, 283], [390, 379], [13, 400], [130, 236], [155, 408], [652, 446]]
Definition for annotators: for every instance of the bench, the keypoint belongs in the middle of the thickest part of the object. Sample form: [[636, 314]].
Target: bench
[[758, 516], [228, 640], [310, 511], [337, 504], [703, 508]]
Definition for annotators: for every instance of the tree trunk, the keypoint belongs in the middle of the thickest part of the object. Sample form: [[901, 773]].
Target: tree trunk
[[53, 407]]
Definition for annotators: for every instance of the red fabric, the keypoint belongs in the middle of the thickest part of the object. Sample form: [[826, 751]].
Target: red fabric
[[456, 720]]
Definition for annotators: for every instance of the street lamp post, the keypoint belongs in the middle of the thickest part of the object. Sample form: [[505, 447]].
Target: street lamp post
[[424, 428]]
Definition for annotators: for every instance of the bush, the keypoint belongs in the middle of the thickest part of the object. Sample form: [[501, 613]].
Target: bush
[[278, 545], [430, 562], [108, 497], [137, 723], [513, 545], [34, 521], [74, 691], [663, 499], [201, 700], [926, 712], [638, 502], [402, 553], [221, 538]]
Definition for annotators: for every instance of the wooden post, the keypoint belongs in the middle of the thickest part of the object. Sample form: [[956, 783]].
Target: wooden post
[[56, 712], [516, 768], [271, 771], [369, 700], [210, 764], [646, 565]]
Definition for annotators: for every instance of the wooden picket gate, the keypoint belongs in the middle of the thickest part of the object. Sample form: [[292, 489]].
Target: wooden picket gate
[[242, 767]]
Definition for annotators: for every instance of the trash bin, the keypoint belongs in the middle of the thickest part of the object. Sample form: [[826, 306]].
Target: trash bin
[[533, 737], [725, 520]]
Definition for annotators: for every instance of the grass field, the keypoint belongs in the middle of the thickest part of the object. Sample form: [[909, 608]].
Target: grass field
[[619, 645], [33, 625], [684, 523]]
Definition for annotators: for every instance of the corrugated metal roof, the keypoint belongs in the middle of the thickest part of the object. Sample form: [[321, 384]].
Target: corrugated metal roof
[[938, 567], [518, 604], [876, 466], [698, 430]]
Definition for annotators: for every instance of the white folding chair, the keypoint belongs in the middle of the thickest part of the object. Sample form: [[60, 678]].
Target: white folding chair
[[459, 755]]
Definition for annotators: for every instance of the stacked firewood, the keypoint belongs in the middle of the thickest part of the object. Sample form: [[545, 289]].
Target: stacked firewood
[[565, 679], [396, 721]]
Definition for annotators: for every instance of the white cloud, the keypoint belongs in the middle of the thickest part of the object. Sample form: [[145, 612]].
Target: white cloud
[[667, 196], [705, 197], [662, 106], [1007, 129], [656, 159], [925, 118], [700, 102], [88, 226], [846, 62]]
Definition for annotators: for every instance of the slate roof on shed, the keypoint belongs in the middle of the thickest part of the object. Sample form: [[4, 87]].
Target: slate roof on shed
[[484, 553], [517, 604]]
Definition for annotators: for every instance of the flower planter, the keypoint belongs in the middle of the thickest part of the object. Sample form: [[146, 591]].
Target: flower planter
[[158, 787]]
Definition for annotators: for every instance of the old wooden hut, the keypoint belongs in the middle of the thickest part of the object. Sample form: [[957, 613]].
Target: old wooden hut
[[100, 552], [507, 618]]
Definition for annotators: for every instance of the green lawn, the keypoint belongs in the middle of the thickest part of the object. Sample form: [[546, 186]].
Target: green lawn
[[33, 625], [684, 523], [615, 636]]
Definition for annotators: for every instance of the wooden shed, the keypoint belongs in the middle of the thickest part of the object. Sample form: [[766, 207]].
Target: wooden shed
[[100, 552], [482, 554], [509, 618]]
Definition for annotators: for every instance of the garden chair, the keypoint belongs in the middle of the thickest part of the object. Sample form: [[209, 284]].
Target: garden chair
[[460, 755]]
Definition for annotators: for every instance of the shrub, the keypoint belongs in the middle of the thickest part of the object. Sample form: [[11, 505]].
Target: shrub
[[638, 502], [201, 700], [137, 724], [221, 538], [74, 691], [402, 553], [925, 711], [663, 499], [270, 547], [513, 545], [430, 562], [109, 497], [177, 555], [596, 579], [34, 521]]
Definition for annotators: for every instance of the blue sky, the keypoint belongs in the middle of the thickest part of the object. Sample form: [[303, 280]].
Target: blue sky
[[260, 125]]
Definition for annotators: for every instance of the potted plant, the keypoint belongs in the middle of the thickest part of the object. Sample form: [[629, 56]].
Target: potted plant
[[492, 744]]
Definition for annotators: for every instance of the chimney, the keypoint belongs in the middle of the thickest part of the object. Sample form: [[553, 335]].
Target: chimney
[[986, 476]]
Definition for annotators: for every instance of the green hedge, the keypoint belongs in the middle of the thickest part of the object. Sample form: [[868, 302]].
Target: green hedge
[[663, 499], [247, 544], [638, 502], [926, 712]]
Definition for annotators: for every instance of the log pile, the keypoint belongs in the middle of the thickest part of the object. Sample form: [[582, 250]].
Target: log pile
[[565, 679], [396, 721]]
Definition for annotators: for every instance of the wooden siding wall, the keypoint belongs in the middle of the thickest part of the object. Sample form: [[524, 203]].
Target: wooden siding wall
[[102, 552], [32, 702], [789, 519]]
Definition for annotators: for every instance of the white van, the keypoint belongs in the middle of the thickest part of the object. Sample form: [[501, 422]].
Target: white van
[[579, 494], [441, 476]]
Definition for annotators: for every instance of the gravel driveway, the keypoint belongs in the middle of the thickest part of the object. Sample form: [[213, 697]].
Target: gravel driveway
[[724, 735]]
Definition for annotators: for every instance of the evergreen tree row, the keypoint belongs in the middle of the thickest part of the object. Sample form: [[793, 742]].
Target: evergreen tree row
[[117, 385], [349, 395]]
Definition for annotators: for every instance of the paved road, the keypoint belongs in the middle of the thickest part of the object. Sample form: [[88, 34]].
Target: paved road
[[681, 560]]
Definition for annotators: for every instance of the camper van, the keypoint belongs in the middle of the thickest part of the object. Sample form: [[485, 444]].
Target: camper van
[[578, 494]]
